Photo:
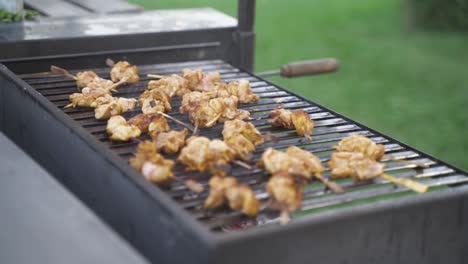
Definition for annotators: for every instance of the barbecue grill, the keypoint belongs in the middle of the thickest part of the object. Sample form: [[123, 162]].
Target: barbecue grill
[[371, 222]]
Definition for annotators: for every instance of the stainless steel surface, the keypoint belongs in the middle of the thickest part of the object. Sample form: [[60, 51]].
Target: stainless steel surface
[[108, 25]]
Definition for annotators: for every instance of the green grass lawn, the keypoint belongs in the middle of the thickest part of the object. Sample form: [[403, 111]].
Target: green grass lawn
[[412, 86]]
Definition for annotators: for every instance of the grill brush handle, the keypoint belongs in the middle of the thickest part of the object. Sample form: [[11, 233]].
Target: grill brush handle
[[303, 68]]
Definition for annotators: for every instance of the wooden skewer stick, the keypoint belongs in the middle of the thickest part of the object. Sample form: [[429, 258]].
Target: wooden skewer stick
[[392, 158], [330, 184], [193, 185], [212, 121], [242, 164], [410, 184], [69, 105], [110, 62], [117, 84], [284, 217], [190, 127], [155, 76], [308, 137], [62, 71]]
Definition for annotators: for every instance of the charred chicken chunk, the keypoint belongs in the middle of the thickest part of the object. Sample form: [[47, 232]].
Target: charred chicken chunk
[[173, 85], [311, 163], [119, 130], [240, 197], [115, 107], [275, 161], [281, 118], [284, 190], [123, 71], [151, 164], [197, 80], [170, 142], [361, 144]]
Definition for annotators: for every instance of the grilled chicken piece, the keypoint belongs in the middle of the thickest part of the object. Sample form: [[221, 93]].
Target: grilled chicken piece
[[87, 79], [87, 97], [154, 101], [170, 142], [119, 130], [240, 197], [299, 120], [283, 189], [361, 144], [202, 154], [275, 161], [157, 125], [116, 106], [217, 109], [242, 137], [190, 100], [197, 80], [173, 85], [241, 89], [142, 121], [312, 164], [355, 165], [151, 164], [123, 71]]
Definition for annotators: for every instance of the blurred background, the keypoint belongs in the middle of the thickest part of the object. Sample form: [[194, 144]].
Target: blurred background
[[404, 64]]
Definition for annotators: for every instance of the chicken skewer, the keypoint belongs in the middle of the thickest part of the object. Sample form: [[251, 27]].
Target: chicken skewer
[[242, 137], [88, 79], [119, 130], [298, 120], [240, 197], [360, 167], [123, 71], [296, 162], [155, 168], [372, 150], [286, 193]]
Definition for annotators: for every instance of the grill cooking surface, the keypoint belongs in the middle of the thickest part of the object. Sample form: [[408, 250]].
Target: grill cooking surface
[[329, 129]]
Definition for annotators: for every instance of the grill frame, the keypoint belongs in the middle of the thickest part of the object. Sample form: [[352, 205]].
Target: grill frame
[[141, 227]]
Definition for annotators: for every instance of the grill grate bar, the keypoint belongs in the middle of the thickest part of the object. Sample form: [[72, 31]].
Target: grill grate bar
[[329, 129]]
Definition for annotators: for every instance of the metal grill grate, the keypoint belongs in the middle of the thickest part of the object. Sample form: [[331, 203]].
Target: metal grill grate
[[330, 127]]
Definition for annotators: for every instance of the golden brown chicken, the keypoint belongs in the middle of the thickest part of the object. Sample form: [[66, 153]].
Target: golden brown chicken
[[173, 85], [123, 71], [154, 101], [170, 142], [242, 137], [299, 120], [157, 125], [88, 79], [216, 110], [360, 168], [142, 121], [192, 99], [297, 162], [241, 89], [87, 97], [151, 164], [116, 106], [361, 144], [197, 80], [240, 197], [202, 154], [284, 190], [119, 130]]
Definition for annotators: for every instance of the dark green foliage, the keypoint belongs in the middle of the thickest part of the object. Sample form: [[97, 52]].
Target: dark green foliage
[[6, 16], [438, 14]]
